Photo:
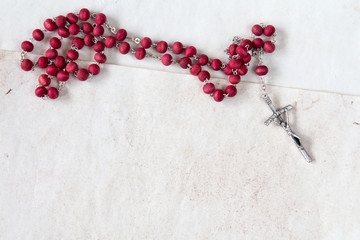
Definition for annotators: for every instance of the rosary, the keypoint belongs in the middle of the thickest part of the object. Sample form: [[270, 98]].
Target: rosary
[[90, 28]]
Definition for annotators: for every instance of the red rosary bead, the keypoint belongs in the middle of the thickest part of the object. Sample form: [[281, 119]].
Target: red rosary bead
[[241, 51], [246, 59], [195, 69], [99, 46], [84, 14], [44, 80], [177, 47], [234, 63], [63, 32], [269, 47], [40, 91], [190, 51], [257, 30], [216, 64], [227, 70], [234, 79], [124, 48], [121, 35], [63, 76], [261, 70], [242, 70], [231, 91], [146, 42], [98, 31], [52, 70], [71, 67], [55, 43], [72, 18], [51, 53], [27, 65], [218, 95], [232, 49], [110, 42], [140, 53], [185, 62], [100, 57], [60, 62], [72, 54], [269, 30], [53, 93], [43, 62], [94, 69], [87, 28], [246, 43], [258, 43], [38, 35], [60, 21], [74, 29], [100, 19], [203, 60], [166, 59], [209, 88], [78, 43], [162, 47], [203, 75], [82, 74], [27, 46], [89, 40], [49, 25]]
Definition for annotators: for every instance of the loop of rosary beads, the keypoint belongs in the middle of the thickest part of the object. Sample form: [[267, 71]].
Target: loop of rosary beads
[[89, 34]]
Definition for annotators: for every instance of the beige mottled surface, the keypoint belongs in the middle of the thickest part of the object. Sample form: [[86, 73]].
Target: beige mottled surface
[[142, 154]]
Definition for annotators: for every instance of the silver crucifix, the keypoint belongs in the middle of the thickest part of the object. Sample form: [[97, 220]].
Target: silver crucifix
[[277, 117]]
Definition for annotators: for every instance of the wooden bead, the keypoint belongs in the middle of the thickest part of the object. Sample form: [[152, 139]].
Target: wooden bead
[[166, 59], [195, 69], [27, 46], [53, 93], [40, 91], [100, 19], [94, 69], [218, 95], [82, 74], [269, 47], [230, 90], [257, 30], [124, 48], [27, 65], [261, 70], [140, 53], [209, 88], [269, 30], [38, 35], [84, 14]]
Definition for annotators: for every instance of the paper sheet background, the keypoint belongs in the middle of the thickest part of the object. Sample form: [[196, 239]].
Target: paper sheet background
[[142, 154]]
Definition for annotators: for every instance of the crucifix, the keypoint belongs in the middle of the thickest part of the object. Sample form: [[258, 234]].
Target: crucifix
[[277, 118]]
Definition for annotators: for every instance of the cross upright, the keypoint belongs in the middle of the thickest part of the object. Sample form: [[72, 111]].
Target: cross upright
[[277, 118]]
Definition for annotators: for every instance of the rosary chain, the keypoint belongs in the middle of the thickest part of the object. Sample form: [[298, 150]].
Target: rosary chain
[[137, 40]]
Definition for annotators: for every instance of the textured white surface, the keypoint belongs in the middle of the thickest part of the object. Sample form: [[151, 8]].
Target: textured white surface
[[140, 154], [318, 39]]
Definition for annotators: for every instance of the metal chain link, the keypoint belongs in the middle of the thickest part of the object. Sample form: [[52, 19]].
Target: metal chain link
[[150, 55], [22, 56], [61, 86], [259, 53]]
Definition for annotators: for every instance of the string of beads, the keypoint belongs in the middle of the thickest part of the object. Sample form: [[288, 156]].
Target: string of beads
[[88, 29]]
